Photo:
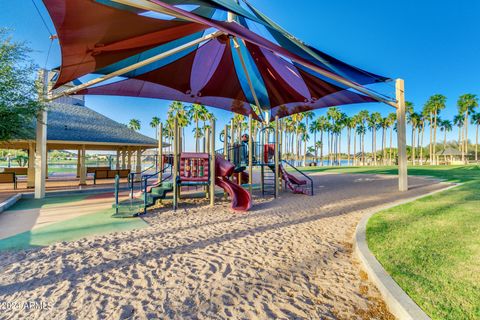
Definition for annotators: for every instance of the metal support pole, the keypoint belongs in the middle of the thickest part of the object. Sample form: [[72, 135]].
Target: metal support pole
[[225, 142], [232, 140], [41, 155], [401, 136], [175, 164], [160, 152], [250, 153], [212, 163], [277, 162]]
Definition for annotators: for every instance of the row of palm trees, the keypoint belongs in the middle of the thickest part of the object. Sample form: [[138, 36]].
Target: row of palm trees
[[185, 115], [303, 135]]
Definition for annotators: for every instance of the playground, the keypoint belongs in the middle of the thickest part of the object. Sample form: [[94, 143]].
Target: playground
[[287, 258]]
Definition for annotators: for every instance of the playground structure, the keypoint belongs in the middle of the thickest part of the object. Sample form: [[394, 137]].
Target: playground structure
[[230, 168]]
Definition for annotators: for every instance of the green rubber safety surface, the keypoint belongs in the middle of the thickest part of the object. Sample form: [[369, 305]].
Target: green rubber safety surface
[[28, 204], [97, 223]]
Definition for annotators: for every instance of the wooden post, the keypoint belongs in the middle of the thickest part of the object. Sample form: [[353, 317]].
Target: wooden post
[[277, 160], [83, 167], [175, 164], [250, 153], [78, 163], [160, 152], [31, 166], [212, 163], [40, 154], [401, 136]]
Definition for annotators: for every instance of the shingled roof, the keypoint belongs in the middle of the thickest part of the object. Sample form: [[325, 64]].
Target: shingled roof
[[71, 126], [67, 122]]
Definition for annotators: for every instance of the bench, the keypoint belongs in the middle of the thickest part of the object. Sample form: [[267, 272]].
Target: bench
[[18, 171], [104, 174], [93, 169], [9, 177]]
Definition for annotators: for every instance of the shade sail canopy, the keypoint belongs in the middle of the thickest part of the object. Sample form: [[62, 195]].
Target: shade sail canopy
[[235, 70]]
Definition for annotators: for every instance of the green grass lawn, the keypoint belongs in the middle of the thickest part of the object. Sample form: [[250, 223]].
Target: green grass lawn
[[431, 247]]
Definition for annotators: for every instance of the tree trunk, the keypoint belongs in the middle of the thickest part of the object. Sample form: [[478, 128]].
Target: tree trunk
[[435, 138], [421, 146], [391, 145], [465, 150], [349, 133], [354, 147], [476, 145], [321, 147]]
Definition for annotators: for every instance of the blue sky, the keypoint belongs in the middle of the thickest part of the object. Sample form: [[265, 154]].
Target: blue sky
[[433, 45]]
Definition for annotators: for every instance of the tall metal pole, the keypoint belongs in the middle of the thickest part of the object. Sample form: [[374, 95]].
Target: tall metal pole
[[277, 160], [160, 152], [212, 163], [401, 136], [175, 163], [250, 153]]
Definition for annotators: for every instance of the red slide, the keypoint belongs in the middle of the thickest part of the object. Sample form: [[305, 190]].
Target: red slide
[[241, 200]]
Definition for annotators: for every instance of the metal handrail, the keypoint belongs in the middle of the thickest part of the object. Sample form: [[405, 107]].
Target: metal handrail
[[145, 184], [302, 173], [131, 178]]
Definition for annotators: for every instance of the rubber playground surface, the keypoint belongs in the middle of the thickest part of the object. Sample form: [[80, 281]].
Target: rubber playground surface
[[33, 223]]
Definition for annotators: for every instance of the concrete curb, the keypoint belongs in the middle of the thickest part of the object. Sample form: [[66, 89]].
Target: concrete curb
[[397, 300], [9, 202]]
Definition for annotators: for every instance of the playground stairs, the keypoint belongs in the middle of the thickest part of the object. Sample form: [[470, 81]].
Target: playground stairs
[[268, 176], [138, 205]]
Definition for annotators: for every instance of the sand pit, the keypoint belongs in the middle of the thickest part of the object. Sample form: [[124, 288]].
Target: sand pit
[[287, 259]]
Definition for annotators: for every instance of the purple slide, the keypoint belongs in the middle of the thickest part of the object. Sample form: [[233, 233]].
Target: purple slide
[[241, 200]]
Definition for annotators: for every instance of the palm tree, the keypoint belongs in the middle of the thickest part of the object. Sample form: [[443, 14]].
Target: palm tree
[[154, 124], [373, 122], [351, 124], [392, 118], [314, 128], [134, 124], [413, 119], [322, 127], [421, 130], [466, 105], [437, 103], [445, 126], [361, 130], [458, 121], [476, 122], [197, 112], [384, 124], [428, 114], [177, 110], [363, 116], [307, 115]]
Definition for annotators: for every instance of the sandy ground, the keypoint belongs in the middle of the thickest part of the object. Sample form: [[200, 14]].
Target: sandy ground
[[287, 259]]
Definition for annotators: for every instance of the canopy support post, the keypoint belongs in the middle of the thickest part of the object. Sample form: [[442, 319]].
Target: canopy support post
[[250, 153], [277, 159], [160, 152], [41, 155], [212, 163], [175, 164], [401, 136]]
